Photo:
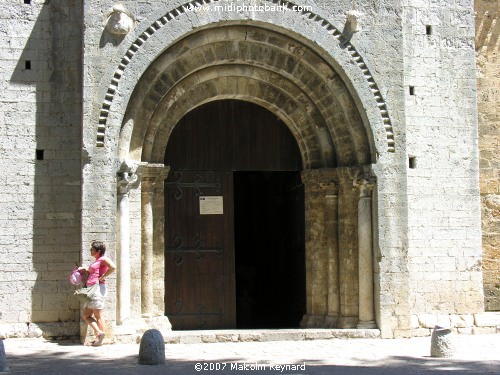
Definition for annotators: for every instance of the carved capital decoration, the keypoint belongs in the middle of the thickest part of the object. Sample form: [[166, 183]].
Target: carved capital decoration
[[151, 175], [127, 177], [365, 183]]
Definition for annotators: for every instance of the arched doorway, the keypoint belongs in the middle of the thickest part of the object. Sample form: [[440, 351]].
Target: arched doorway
[[297, 83], [234, 208]]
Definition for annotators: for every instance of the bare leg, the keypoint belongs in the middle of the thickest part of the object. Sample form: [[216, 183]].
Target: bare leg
[[89, 319], [99, 319]]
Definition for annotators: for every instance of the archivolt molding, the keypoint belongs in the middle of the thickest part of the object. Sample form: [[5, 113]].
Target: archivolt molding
[[313, 105], [182, 9]]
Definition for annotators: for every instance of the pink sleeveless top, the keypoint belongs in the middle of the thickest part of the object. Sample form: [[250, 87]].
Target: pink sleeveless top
[[96, 270]]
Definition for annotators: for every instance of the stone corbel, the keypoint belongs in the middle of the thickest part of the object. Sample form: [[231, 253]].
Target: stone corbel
[[352, 24], [120, 21]]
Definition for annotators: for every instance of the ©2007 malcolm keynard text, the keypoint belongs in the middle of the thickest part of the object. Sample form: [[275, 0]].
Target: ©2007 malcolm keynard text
[[246, 366]]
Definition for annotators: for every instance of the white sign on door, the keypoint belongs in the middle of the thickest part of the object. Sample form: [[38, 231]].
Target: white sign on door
[[211, 205]]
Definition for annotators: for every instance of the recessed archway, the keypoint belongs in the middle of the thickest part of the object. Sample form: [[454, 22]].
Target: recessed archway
[[253, 64], [291, 80]]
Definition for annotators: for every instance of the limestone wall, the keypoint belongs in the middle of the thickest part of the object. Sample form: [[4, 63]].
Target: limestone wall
[[409, 66], [444, 254], [488, 84], [40, 137]]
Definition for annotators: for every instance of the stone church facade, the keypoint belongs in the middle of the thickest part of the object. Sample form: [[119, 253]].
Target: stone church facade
[[260, 164]]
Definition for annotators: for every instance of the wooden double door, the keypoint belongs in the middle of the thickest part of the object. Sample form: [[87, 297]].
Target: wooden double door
[[200, 267], [234, 247]]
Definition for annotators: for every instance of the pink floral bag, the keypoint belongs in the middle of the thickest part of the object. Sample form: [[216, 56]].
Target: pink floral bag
[[75, 277]]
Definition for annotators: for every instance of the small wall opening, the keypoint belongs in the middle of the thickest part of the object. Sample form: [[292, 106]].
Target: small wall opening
[[412, 162]]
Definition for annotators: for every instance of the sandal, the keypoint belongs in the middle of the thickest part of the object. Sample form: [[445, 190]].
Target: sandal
[[90, 343], [99, 340]]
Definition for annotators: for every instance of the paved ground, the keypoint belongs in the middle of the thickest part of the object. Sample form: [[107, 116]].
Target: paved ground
[[478, 354]]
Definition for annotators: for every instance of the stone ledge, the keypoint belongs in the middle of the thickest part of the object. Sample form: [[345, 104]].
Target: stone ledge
[[428, 321], [199, 337]]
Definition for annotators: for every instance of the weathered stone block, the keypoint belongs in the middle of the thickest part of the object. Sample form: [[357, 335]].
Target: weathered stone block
[[152, 348], [442, 342], [3, 358]]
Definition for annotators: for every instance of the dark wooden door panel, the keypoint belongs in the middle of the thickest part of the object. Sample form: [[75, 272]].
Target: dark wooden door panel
[[199, 281]]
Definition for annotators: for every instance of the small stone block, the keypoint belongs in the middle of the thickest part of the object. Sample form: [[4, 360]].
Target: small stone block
[[441, 343], [3, 359], [152, 348]]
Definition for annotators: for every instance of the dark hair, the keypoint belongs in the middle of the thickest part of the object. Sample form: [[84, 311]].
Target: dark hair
[[99, 246]]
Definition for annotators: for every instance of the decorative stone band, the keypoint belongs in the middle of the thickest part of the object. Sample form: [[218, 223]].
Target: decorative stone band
[[182, 9]]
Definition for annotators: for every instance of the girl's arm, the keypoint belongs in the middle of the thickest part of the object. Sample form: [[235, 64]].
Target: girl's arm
[[111, 268]]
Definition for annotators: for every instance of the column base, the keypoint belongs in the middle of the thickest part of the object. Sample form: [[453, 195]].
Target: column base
[[331, 321], [312, 321], [132, 330], [366, 324], [347, 321]]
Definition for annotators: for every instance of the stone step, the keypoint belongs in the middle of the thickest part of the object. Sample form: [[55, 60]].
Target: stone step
[[260, 335]]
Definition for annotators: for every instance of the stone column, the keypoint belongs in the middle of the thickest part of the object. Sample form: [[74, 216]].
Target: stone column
[[331, 226], [152, 174], [365, 254], [127, 178], [348, 248], [320, 244]]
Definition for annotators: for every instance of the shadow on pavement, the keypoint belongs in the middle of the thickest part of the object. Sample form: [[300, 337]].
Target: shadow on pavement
[[93, 360]]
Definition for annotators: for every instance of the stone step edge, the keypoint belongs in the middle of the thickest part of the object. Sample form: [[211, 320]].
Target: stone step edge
[[220, 336]]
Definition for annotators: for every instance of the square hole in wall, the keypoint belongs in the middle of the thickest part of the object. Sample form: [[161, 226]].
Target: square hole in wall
[[412, 90], [27, 1], [27, 65], [412, 162], [428, 29], [39, 154]]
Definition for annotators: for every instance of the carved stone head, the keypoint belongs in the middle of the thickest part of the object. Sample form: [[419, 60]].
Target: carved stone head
[[120, 21]]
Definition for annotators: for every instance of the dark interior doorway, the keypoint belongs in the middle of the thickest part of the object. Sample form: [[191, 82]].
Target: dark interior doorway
[[250, 271], [269, 241]]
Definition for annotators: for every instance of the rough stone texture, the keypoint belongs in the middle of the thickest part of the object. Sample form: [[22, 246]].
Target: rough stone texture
[[442, 342], [402, 88], [3, 358], [40, 109], [444, 232], [488, 93], [152, 348]]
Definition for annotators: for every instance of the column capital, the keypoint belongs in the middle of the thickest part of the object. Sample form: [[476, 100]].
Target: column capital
[[321, 181], [365, 182], [153, 171], [127, 179]]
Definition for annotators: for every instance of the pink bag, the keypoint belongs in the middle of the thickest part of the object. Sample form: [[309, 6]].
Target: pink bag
[[75, 277]]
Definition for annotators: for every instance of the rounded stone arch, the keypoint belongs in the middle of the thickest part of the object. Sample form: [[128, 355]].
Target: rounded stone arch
[[253, 64], [321, 90], [340, 57]]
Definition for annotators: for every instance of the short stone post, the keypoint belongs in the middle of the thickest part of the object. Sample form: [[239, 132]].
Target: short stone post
[[3, 358], [442, 343], [152, 348]]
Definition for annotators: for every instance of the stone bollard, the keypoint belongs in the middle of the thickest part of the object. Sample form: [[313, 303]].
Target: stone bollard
[[152, 348], [441, 342], [3, 358]]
